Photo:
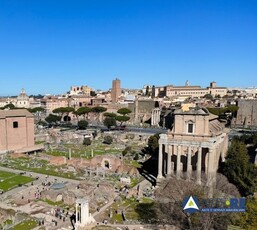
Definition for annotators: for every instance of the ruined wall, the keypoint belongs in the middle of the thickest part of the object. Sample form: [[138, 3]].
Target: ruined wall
[[247, 113], [142, 112]]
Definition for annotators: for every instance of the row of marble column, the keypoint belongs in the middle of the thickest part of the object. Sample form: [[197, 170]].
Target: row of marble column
[[82, 212], [177, 149], [155, 118]]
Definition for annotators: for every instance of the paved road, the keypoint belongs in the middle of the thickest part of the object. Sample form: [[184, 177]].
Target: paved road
[[135, 129], [147, 130]]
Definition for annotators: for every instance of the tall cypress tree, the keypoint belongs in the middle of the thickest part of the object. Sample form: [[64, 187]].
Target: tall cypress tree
[[239, 170]]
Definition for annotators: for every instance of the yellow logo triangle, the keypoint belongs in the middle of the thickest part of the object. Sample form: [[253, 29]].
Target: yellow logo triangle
[[191, 203]]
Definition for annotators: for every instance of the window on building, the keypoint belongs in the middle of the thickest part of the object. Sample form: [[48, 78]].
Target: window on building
[[15, 124], [190, 128]]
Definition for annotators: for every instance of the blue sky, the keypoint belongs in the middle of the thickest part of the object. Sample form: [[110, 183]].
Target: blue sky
[[48, 45]]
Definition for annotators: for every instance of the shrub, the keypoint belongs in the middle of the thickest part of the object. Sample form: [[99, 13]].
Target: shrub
[[109, 121], [108, 140], [82, 124], [136, 157], [43, 123], [87, 141], [126, 150]]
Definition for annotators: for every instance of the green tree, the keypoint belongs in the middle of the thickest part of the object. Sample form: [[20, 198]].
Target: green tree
[[208, 96], [239, 170], [9, 106], [222, 111], [38, 96], [108, 140], [147, 213], [153, 143], [36, 109], [87, 141], [82, 124], [248, 219], [109, 121], [51, 118], [43, 123], [122, 119], [216, 111], [59, 111], [63, 110], [231, 108], [110, 114], [124, 111], [83, 111], [254, 138], [98, 110], [68, 110]]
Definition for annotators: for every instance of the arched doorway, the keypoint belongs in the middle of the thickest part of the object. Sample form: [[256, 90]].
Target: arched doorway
[[67, 118], [106, 164]]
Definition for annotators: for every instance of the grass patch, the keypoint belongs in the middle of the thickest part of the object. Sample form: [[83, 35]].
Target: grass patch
[[50, 202], [39, 142], [4, 175], [57, 153], [130, 208], [84, 151], [117, 218], [135, 181], [133, 163], [60, 204], [146, 200], [39, 166], [6, 222], [12, 180], [25, 225]]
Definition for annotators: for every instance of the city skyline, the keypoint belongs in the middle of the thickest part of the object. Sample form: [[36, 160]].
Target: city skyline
[[46, 47]]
